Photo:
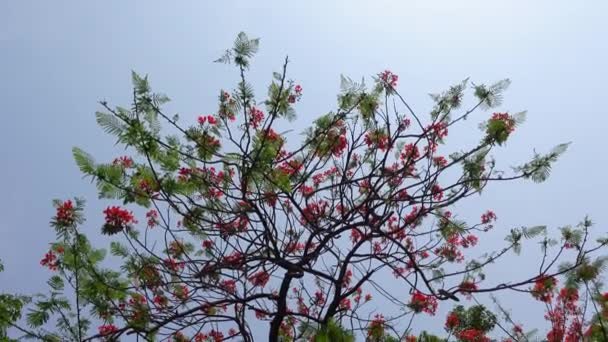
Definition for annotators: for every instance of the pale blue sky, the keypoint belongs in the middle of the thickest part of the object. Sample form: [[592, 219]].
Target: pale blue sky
[[58, 58]]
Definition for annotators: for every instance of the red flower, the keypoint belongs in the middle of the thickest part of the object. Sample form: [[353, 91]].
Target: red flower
[[211, 119], [467, 287], [207, 244], [389, 78], [123, 161], [339, 146], [437, 192], [65, 214], [174, 265], [488, 217], [259, 279], [410, 151], [345, 304], [181, 292], [202, 119], [117, 219], [452, 321], [423, 303], [229, 285], [440, 161], [217, 336], [543, 288], [152, 217], [507, 119], [376, 326], [472, 335], [256, 117], [378, 139], [107, 329], [319, 298], [160, 301], [50, 261], [439, 129]]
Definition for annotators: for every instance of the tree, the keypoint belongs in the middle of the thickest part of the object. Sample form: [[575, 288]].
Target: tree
[[242, 227]]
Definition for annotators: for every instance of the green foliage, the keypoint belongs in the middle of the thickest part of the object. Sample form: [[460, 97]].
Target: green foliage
[[474, 167], [350, 92], [491, 96], [539, 167], [427, 337], [517, 234], [242, 51], [451, 226], [475, 317], [368, 103], [278, 100], [333, 332], [10, 312], [448, 100], [85, 161]]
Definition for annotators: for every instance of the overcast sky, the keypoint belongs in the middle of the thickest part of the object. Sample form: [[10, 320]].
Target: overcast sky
[[58, 58]]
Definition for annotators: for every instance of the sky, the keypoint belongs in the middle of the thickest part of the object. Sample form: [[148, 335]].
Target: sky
[[59, 58]]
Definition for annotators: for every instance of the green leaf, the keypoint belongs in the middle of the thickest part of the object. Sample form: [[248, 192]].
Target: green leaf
[[110, 123], [85, 161], [56, 283]]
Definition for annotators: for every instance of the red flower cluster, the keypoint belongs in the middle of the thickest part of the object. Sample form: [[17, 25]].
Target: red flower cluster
[[255, 117], [209, 118], [410, 152], [345, 304], [235, 260], [543, 288], [389, 78], [181, 292], [107, 329], [291, 167], [488, 217], [440, 161], [437, 192], [297, 95], [123, 161], [213, 335], [207, 244], [473, 335], [226, 105], [507, 119], [152, 217], [319, 299], [467, 287], [339, 146], [376, 326], [229, 285], [237, 225], [259, 278], [321, 177], [50, 261], [314, 212], [118, 219], [65, 214], [438, 130], [452, 321], [423, 303], [174, 265], [378, 139]]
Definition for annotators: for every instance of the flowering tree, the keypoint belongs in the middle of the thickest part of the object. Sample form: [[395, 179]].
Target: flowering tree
[[245, 232]]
